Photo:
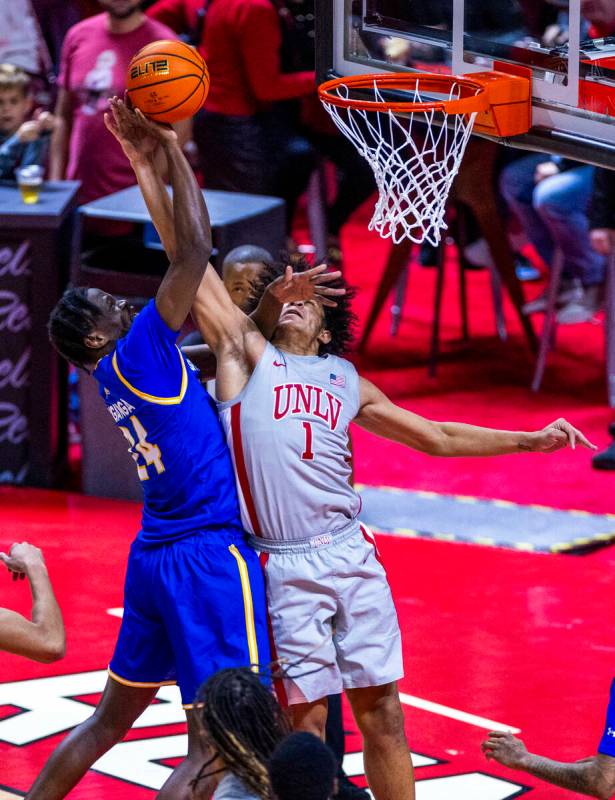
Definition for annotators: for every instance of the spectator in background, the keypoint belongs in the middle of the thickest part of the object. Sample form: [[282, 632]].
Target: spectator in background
[[43, 638], [302, 768], [23, 141], [550, 197], [246, 138], [94, 60], [602, 237]]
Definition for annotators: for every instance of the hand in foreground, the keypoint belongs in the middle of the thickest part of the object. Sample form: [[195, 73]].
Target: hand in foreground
[[291, 287], [556, 436], [21, 558], [139, 137], [505, 749]]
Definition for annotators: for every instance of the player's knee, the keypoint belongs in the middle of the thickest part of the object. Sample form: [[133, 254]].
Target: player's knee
[[384, 720]]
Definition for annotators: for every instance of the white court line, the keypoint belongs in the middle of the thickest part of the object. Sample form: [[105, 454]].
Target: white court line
[[114, 612], [454, 713]]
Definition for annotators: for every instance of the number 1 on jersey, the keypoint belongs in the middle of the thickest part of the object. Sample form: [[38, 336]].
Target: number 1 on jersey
[[307, 454]]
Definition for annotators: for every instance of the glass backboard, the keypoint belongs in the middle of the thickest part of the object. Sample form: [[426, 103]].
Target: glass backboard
[[569, 45]]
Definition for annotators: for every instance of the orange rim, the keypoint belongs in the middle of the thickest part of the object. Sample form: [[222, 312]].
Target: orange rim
[[473, 96]]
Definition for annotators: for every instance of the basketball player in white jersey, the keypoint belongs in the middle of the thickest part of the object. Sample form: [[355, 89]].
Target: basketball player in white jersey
[[286, 406]]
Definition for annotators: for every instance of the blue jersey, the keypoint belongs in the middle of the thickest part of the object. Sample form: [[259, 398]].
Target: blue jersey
[[607, 745], [173, 432]]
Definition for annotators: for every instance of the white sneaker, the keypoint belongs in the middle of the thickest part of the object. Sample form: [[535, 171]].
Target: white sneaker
[[583, 309], [570, 291]]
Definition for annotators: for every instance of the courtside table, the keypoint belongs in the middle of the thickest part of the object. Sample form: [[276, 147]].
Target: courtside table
[[35, 251], [235, 218]]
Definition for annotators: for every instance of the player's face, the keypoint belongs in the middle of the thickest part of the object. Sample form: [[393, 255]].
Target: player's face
[[305, 321], [241, 281], [14, 109], [116, 315], [120, 9]]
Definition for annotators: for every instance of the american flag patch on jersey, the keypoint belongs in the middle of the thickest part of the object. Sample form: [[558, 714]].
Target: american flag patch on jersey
[[337, 380]]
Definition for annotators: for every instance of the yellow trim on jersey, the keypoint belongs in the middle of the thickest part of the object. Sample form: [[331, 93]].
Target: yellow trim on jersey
[[136, 684], [248, 607], [161, 401]]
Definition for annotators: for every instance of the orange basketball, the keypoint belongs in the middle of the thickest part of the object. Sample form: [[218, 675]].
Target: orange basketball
[[168, 81]]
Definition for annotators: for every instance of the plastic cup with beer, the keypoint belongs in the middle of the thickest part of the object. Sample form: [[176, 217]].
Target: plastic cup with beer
[[30, 180]]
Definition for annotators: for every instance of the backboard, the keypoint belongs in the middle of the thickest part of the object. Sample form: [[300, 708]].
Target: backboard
[[569, 45]]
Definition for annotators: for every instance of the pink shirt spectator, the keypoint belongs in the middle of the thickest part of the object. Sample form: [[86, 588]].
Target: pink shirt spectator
[[93, 69]]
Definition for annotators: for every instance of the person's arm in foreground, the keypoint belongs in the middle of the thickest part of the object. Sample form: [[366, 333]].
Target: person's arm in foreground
[[594, 776], [42, 638], [189, 238], [379, 415]]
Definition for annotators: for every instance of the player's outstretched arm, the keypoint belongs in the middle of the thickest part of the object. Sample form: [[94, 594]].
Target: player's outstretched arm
[[379, 415], [42, 638], [188, 239], [594, 776]]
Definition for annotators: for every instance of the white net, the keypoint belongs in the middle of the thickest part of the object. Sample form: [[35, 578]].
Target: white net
[[414, 157]]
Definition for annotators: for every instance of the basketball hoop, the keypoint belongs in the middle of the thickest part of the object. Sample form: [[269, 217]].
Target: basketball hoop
[[415, 146]]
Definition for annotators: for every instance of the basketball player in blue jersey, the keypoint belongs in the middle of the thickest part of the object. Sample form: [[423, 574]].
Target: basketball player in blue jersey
[[286, 406], [194, 595]]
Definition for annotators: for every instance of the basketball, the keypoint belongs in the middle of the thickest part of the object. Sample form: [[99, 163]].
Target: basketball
[[168, 81]]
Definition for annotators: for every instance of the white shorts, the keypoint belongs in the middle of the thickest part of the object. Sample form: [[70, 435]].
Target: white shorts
[[334, 625]]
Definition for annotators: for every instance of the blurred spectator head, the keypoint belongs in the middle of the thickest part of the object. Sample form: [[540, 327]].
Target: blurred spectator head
[[15, 100], [242, 724], [303, 768], [121, 9], [599, 12], [243, 271]]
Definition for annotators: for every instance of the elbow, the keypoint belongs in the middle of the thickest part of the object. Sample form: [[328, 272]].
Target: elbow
[[52, 650]]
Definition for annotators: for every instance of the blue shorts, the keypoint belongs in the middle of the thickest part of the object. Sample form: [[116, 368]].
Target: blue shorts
[[191, 607], [607, 743]]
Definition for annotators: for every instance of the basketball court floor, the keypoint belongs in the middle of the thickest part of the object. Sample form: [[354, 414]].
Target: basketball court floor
[[492, 639]]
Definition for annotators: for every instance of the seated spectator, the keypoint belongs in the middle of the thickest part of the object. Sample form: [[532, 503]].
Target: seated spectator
[[303, 768], [594, 776], [95, 57], [23, 141], [550, 198], [242, 724], [42, 638]]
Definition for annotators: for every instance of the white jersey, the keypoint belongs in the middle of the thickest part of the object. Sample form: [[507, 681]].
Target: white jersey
[[288, 435]]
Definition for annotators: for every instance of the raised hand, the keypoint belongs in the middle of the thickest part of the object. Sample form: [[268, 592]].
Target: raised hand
[[291, 287], [139, 137], [505, 749], [20, 558], [556, 436]]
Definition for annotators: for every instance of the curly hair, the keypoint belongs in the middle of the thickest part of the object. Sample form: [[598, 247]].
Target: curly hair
[[73, 318], [339, 320], [242, 723]]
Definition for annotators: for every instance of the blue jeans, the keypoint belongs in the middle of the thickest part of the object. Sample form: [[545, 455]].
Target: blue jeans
[[554, 214]]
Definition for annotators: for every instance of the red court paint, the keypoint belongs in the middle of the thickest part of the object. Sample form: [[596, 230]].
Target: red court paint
[[520, 639]]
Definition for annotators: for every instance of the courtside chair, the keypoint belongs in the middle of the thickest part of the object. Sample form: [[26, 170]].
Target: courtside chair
[[549, 328]]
